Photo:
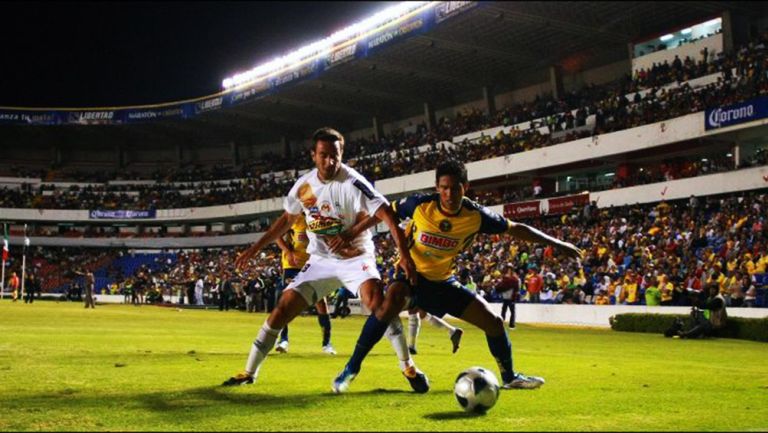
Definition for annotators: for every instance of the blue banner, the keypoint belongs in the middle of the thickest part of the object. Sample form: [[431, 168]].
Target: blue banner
[[761, 280], [122, 214], [737, 113], [416, 24]]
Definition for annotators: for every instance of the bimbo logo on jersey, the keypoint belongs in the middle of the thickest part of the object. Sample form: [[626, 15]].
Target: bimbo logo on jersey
[[437, 241], [737, 113]]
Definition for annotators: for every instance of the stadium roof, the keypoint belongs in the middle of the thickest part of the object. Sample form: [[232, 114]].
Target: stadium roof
[[506, 45]]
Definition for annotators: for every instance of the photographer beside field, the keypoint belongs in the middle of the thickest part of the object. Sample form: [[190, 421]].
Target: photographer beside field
[[709, 317]]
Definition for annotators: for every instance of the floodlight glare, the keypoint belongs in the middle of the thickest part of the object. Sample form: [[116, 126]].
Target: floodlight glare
[[667, 37], [686, 31], [713, 22], [325, 46]]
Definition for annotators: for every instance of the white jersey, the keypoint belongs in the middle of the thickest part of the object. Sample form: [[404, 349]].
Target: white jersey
[[332, 207]]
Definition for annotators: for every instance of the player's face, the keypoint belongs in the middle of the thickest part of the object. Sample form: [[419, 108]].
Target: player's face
[[451, 192], [327, 158]]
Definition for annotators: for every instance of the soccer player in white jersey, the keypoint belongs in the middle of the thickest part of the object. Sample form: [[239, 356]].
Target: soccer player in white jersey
[[333, 197]]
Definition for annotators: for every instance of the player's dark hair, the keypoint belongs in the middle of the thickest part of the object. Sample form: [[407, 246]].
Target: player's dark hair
[[451, 168], [327, 134]]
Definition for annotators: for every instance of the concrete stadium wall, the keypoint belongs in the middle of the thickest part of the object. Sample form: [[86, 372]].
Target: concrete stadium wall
[[585, 315], [719, 183], [141, 243]]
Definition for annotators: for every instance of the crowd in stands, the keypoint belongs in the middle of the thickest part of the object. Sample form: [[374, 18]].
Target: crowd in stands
[[615, 107], [659, 254], [655, 254]]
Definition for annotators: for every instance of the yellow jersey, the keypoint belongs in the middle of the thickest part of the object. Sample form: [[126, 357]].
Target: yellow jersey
[[299, 241], [436, 237]]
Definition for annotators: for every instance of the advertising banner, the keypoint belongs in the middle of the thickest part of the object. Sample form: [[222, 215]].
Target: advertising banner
[[523, 209], [737, 113], [122, 214], [551, 206], [561, 205]]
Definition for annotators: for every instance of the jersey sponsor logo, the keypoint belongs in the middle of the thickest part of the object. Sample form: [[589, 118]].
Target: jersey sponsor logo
[[365, 190], [325, 225], [438, 241]]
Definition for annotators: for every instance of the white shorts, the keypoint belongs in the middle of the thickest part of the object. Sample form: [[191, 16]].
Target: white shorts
[[321, 276]]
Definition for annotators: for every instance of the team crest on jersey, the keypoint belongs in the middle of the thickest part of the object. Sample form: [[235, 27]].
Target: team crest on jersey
[[439, 242], [445, 226], [325, 207]]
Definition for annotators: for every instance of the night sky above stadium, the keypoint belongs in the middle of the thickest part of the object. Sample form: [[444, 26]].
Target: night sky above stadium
[[76, 54]]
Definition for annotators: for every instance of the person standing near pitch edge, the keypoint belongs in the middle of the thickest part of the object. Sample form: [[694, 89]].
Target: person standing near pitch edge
[[90, 283], [444, 224], [333, 197]]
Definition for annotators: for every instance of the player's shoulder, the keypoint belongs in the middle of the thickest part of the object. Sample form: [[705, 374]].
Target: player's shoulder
[[473, 206], [304, 179], [307, 176], [417, 199], [352, 177]]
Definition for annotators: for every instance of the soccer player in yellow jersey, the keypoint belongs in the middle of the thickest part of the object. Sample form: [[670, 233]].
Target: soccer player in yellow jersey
[[446, 223], [294, 257]]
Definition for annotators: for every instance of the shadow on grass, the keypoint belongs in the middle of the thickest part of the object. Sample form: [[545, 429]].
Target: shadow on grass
[[165, 402], [447, 416], [194, 404]]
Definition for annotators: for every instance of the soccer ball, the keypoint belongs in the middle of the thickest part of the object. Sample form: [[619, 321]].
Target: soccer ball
[[476, 389]]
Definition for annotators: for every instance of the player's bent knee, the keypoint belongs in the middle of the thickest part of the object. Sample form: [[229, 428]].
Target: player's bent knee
[[371, 294], [291, 305], [496, 327]]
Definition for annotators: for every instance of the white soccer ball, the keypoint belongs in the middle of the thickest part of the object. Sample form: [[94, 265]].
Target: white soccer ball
[[476, 389]]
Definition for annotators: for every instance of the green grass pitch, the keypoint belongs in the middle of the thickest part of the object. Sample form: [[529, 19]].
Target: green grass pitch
[[121, 367]]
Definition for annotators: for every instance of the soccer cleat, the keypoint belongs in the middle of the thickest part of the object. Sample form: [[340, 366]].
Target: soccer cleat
[[342, 381], [522, 381], [329, 349], [239, 379], [417, 379], [456, 338], [412, 350], [282, 346]]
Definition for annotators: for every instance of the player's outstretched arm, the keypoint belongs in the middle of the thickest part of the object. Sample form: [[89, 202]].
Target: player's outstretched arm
[[530, 234], [345, 238], [276, 230]]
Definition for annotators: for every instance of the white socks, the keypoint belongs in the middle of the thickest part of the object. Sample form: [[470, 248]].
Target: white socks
[[260, 348], [414, 324], [440, 323], [395, 335]]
